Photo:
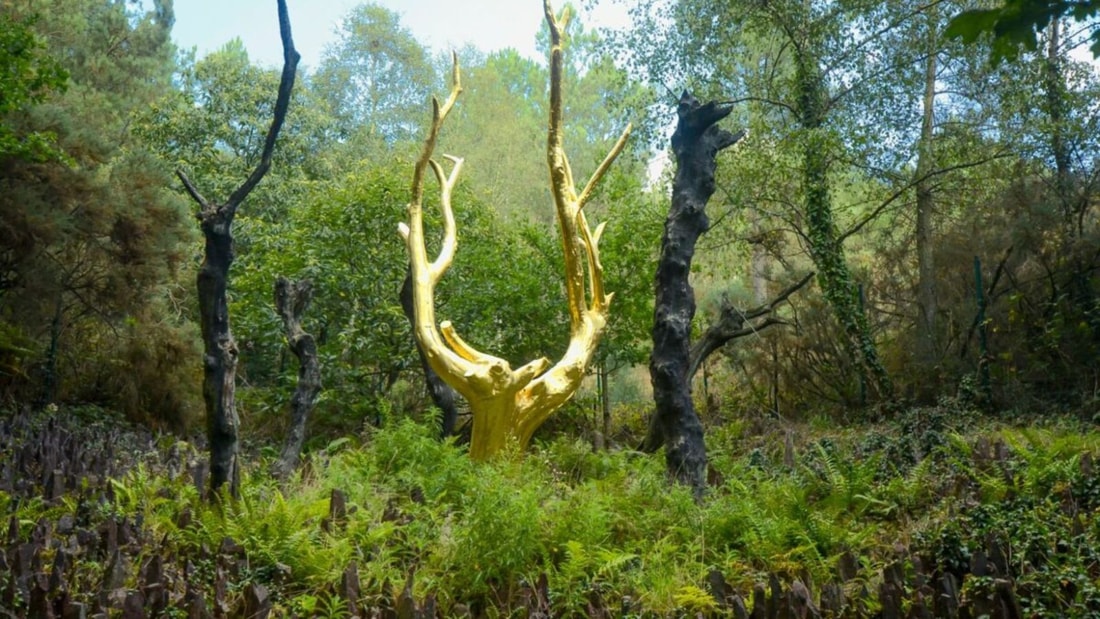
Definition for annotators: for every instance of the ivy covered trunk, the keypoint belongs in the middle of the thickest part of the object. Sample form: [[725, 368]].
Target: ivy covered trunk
[[826, 250], [696, 144]]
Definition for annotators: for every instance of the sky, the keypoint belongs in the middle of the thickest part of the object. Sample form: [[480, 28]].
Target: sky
[[439, 24]]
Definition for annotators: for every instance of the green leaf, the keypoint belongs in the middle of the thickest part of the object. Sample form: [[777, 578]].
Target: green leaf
[[969, 25]]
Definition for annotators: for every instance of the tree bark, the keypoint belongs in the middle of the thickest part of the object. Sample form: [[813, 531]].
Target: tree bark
[[219, 347], [734, 323], [927, 341], [443, 396], [219, 352], [696, 144], [291, 300]]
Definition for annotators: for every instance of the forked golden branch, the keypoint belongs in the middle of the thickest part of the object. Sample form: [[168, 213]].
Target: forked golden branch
[[508, 405]]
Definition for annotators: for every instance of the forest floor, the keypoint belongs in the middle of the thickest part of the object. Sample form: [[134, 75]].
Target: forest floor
[[939, 512]]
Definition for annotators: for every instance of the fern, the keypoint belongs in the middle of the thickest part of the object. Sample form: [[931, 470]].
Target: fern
[[695, 600], [611, 562]]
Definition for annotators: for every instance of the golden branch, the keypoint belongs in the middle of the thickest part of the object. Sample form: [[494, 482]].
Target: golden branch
[[603, 167], [509, 405]]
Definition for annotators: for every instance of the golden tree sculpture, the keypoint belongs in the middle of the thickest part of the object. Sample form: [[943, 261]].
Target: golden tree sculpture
[[508, 405]]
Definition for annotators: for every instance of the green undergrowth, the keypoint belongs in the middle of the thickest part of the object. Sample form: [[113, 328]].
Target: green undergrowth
[[607, 526]]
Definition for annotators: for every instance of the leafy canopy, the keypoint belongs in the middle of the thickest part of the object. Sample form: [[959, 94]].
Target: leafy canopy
[[27, 75]]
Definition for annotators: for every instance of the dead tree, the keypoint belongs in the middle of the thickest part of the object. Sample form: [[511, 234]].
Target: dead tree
[[734, 322], [219, 348], [696, 144], [291, 300], [508, 405]]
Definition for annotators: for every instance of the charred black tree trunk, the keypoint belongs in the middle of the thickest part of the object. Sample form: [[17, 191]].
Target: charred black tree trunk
[[292, 299], [442, 394], [219, 348], [49, 380], [696, 144]]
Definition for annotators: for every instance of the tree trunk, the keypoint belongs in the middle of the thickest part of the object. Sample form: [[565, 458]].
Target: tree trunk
[[1055, 92], [927, 341], [291, 300], [826, 250], [696, 144], [443, 396], [49, 380], [603, 434], [219, 349]]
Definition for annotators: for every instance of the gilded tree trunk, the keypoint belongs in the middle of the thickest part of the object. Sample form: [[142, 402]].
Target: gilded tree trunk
[[443, 396], [509, 405], [696, 144]]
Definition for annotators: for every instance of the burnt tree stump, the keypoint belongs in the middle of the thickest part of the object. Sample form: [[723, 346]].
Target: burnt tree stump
[[674, 424], [292, 299]]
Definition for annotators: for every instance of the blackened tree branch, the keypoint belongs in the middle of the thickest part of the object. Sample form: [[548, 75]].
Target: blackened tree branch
[[734, 323], [282, 104]]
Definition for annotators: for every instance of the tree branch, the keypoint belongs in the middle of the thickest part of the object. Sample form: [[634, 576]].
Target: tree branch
[[913, 183], [282, 103], [731, 325], [193, 191]]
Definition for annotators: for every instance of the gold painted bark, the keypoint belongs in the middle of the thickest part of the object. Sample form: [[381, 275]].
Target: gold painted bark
[[509, 405]]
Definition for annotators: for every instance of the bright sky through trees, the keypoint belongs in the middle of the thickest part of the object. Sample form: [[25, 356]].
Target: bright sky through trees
[[439, 24]]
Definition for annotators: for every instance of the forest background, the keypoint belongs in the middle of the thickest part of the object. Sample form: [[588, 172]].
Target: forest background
[[943, 176], [945, 202]]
